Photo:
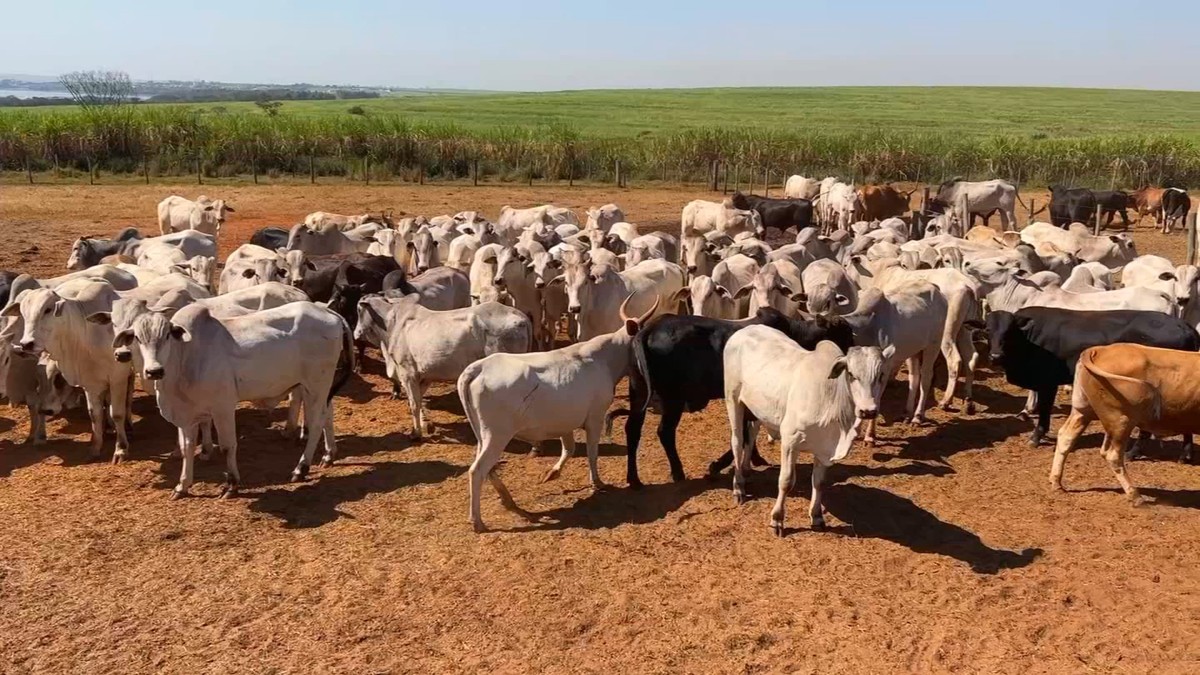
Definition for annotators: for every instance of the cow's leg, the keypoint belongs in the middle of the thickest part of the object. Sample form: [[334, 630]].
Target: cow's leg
[[928, 360], [568, 449], [1075, 424], [95, 405], [1124, 218], [667, 427], [966, 349], [950, 350], [314, 422], [816, 509], [187, 435], [913, 364], [787, 478], [226, 424], [1045, 405], [737, 444], [412, 390], [633, 430], [1114, 454], [119, 395], [1133, 451], [330, 439], [1030, 405], [487, 454], [37, 425], [291, 428], [593, 428]]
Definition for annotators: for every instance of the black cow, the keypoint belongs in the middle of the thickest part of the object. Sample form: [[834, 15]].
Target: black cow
[[6, 279], [1071, 205], [777, 213], [1038, 347], [273, 238], [1111, 203], [679, 360], [1175, 207], [89, 251]]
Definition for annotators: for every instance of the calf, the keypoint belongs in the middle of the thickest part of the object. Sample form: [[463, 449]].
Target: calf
[[1128, 386], [543, 395], [177, 213], [811, 400], [1038, 346], [423, 346], [204, 366], [678, 360]]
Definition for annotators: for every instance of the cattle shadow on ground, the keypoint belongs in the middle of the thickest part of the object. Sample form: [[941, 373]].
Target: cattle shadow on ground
[[357, 390], [319, 501], [839, 473], [949, 439], [613, 507], [878, 514], [446, 401], [1184, 499]]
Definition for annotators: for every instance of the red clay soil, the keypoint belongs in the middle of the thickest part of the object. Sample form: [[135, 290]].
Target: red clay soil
[[947, 550]]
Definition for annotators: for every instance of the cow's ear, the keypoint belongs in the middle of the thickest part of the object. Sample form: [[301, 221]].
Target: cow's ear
[[123, 338], [839, 367], [371, 238], [1020, 273], [556, 264], [1114, 238], [1166, 276], [744, 291], [723, 292], [180, 333], [13, 309], [800, 297], [888, 352], [58, 307], [557, 280], [681, 295], [631, 327], [102, 318], [410, 246], [249, 273], [310, 266]]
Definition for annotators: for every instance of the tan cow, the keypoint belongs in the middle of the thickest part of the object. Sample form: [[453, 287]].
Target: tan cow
[[883, 201], [1127, 387]]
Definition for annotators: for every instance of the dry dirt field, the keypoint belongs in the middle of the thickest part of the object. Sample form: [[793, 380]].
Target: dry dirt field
[[947, 551]]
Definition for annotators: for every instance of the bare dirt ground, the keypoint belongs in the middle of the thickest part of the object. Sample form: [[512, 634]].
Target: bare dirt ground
[[947, 550]]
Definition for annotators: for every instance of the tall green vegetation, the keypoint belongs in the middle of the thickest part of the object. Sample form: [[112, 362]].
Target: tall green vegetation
[[173, 140]]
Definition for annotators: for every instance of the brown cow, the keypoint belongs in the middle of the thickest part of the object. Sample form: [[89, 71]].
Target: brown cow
[[1147, 201], [883, 201], [1127, 387]]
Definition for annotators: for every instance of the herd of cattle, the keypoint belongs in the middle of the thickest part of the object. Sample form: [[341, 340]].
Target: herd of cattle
[[800, 337]]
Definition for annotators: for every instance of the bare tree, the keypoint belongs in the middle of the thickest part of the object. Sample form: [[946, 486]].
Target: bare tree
[[93, 89]]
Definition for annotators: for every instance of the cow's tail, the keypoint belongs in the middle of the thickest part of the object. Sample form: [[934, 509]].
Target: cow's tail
[[471, 410], [642, 369], [346, 361], [1106, 378]]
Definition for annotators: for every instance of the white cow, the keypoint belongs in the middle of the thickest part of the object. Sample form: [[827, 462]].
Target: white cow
[[778, 284], [1114, 251], [59, 327], [911, 317], [315, 241], [204, 366], [177, 213], [602, 217], [700, 216], [812, 401], [964, 199], [655, 245], [1152, 271], [799, 187], [325, 220], [423, 346], [828, 289], [543, 395], [595, 292], [512, 222], [250, 265], [462, 249], [1010, 289]]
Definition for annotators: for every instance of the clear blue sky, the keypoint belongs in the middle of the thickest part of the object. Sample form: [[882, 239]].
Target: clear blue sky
[[575, 44]]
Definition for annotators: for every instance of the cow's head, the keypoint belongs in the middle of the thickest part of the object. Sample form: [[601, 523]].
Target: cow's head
[[999, 323], [424, 248], [200, 269], [710, 298], [578, 278], [294, 265], [125, 312], [699, 255], [865, 369], [55, 394], [39, 308], [157, 340], [80, 253], [545, 268]]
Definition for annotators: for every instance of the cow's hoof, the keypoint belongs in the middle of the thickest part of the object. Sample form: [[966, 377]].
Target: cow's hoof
[[714, 471], [479, 527], [678, 476], [818, 524], [301, 473], [869, 441], [117, 459], [778, 529], [227, 492], [599, 487], [739, 498], [552, 474], [970, 407], [325, 463], [178, 493], [634, 483], [1023, 416]]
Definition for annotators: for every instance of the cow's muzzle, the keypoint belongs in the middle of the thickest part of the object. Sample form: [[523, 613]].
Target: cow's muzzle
[[994, 356], [539, 284], [155, 373], [575, 309], [422, 270], [499, 283], [691, 269]]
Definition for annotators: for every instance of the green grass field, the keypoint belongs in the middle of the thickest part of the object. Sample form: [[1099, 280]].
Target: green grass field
[[973, 111]]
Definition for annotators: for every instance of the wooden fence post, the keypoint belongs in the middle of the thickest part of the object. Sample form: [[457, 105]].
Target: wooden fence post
[[1096, 227], [421, 175], [617, 173], [367, 169], [1032, 210], [737, 170], [925, 200], [726, 165], [312, 170], [766, 182], [29, 170], [91, 171], [475, 172], [1190, 232], [750, 187], [146, 171], [199, 172]]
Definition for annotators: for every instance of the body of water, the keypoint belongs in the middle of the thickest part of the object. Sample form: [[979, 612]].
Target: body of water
[[29, 93]]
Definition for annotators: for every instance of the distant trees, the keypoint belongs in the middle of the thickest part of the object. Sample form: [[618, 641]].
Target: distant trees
[[98, 88], [357, 110], [271, 108]]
